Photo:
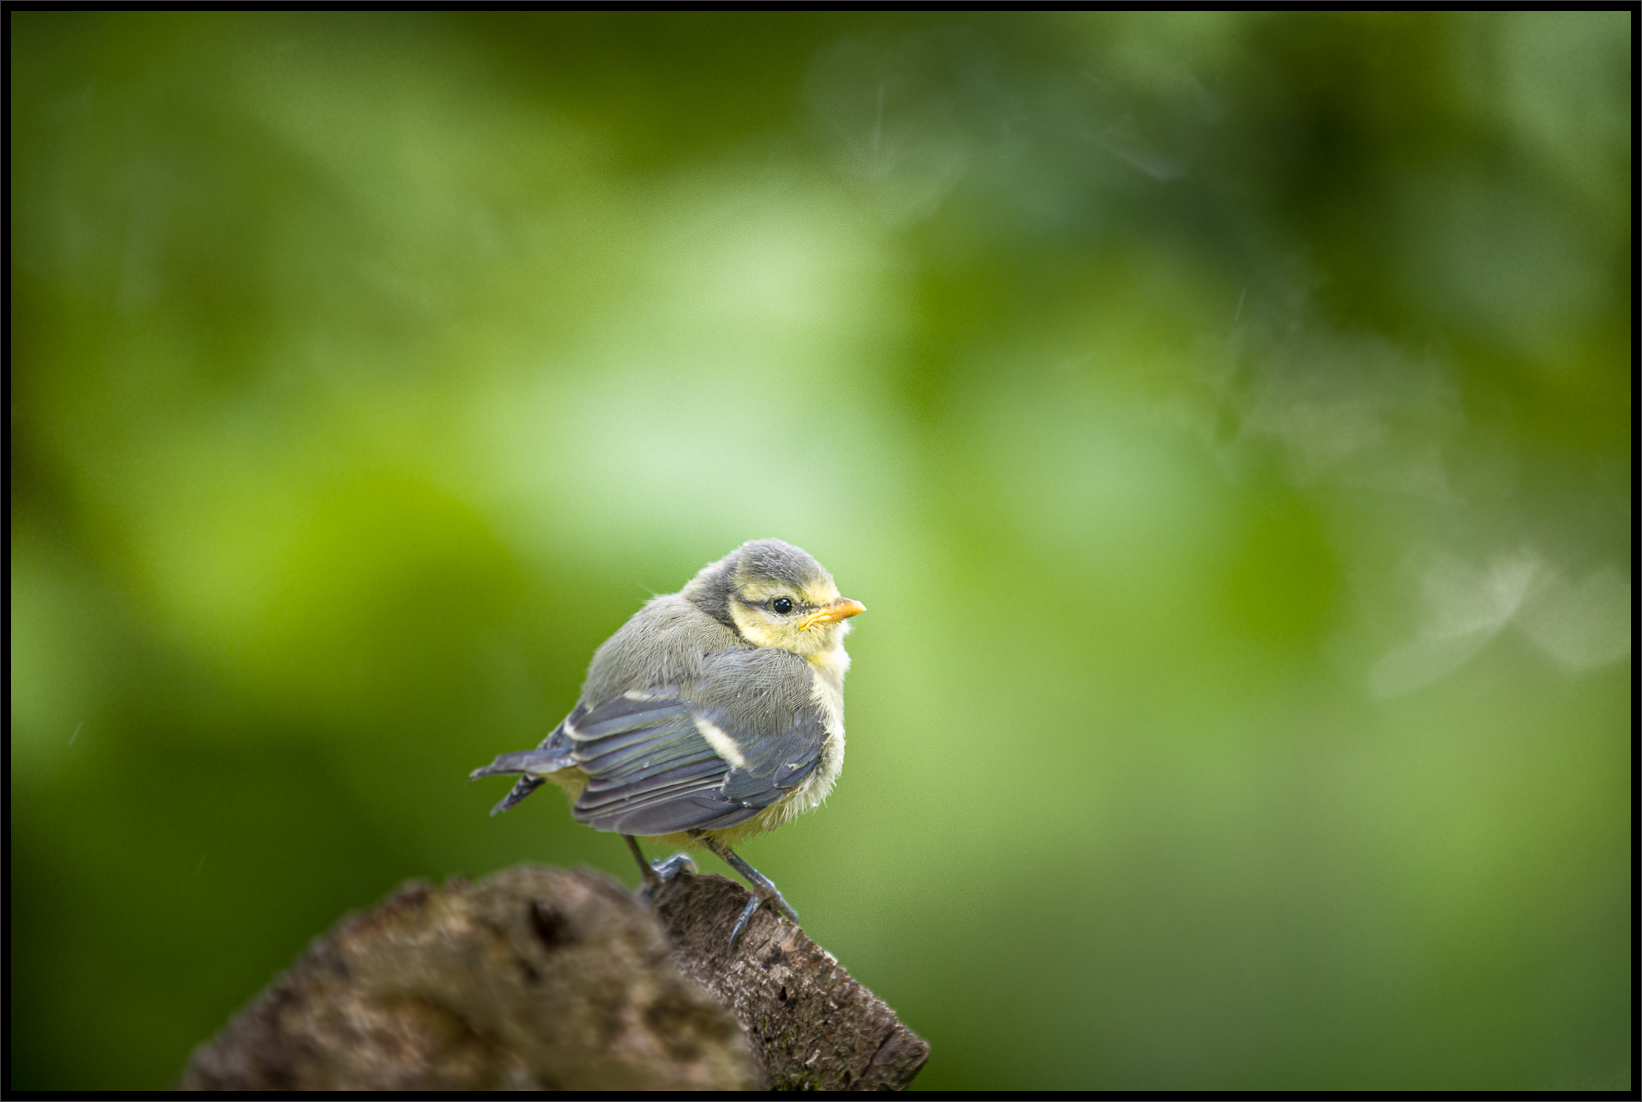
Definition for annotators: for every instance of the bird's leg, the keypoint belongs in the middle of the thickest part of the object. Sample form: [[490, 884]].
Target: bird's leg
[[648, 873], [764, 892], [657, 874]]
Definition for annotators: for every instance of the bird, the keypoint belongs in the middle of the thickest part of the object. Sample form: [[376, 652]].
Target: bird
[[713, 714]]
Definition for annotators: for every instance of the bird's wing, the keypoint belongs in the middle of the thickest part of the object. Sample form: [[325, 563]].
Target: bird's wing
[[705, 757]]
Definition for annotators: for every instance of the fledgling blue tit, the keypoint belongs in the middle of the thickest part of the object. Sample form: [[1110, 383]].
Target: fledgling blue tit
[[714, 714]]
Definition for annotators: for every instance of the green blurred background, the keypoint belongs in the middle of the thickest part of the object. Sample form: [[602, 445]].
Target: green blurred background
[[1225, 418]]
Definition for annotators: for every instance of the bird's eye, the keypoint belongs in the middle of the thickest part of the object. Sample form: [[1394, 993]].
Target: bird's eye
[[782, 605]]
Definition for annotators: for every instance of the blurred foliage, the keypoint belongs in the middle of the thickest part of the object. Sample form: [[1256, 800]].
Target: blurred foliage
[[1225, 418]]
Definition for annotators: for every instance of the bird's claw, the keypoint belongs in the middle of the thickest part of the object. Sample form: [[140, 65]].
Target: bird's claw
[[658, 873], [775, 902], [780, 904], [669, 867], [654, 874]]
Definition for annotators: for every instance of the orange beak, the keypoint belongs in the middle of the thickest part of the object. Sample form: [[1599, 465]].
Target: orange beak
[[841, 609]]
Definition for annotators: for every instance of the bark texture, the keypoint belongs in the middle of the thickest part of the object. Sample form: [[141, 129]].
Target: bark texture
[[812, 1026], [539, 978]]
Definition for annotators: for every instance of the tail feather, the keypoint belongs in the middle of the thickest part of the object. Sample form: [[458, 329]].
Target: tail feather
[[519, 791], [532, 763]]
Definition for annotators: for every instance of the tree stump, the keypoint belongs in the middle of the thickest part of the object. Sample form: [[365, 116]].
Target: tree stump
[[540, 978]]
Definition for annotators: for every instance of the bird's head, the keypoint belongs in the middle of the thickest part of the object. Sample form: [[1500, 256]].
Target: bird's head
[[774, 595]]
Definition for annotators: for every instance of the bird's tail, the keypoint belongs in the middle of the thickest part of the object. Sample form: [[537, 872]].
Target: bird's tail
[[532, 763]]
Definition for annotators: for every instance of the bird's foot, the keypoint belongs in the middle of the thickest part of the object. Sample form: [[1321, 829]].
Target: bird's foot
[[669, 867], [657, 873], [763, 895], [765, 892]]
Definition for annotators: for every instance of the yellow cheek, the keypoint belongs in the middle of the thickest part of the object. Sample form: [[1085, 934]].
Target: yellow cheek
[[753, 627]]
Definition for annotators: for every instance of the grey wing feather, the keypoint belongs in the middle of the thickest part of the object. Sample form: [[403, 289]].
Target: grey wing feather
[[764, 700], [651, 771], [648, 767]]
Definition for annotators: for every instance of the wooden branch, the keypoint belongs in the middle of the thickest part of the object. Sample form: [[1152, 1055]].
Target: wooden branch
[[546, 978], [812, 1026]]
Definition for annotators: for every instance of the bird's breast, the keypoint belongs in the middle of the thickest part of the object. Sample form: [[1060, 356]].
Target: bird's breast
[[830, 666], [827, 668], [827, 690]]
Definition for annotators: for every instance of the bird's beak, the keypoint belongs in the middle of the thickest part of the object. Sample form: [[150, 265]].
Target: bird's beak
[[841, 609]]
